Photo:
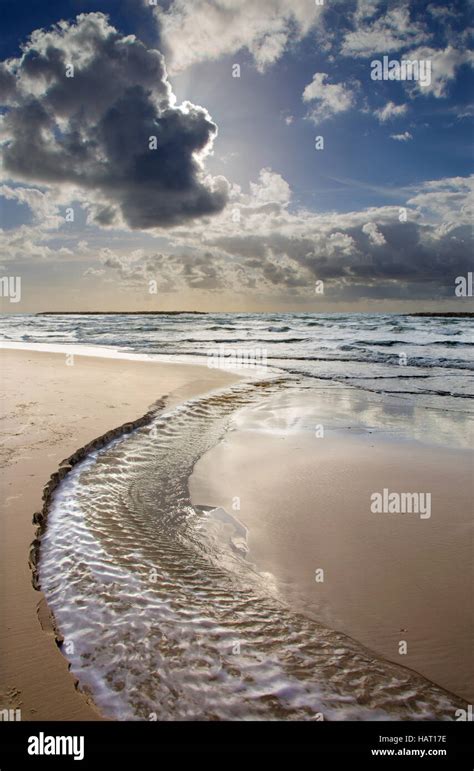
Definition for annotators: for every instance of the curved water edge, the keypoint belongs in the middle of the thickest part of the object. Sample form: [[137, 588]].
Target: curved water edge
[[40, 517], [158, 617]]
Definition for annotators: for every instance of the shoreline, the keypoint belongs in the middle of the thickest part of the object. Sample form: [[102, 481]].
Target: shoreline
[[35, 676], [186, 387], [305, 504], [40, 518], [374, 671]]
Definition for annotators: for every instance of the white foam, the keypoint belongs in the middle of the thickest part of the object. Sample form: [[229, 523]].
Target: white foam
[[98, 351]]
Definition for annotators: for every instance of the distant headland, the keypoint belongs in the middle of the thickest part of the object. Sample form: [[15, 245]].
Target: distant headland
[[121, 313]]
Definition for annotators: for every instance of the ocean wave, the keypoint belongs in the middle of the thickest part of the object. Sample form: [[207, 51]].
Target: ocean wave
[[250, 341], [219, 327], [414, 343], [360, 341]]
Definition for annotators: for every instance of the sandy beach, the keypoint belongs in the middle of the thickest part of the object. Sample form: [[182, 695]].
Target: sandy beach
[[291, 505], [50, 410]]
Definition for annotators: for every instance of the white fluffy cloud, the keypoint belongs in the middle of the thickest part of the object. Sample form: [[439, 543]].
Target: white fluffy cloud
[[390, 111], [404, 137], [445, 64], [327, 99], [393, 31], [446, 200], [366, 9], [375, 236], [271, 188], [204, 30]]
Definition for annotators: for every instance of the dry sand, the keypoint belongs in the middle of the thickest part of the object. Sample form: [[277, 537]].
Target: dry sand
[[50, 410]]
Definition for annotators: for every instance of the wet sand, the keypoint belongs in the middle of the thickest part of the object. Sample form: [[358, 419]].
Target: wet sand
[[49, 410], [388, 578]]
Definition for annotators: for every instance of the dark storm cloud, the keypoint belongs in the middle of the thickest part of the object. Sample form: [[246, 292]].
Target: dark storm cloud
[[390, 260], [7, 84], [93, 130], [411, 254]]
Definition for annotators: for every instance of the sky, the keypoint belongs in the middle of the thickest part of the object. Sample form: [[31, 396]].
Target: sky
[[234, 155]]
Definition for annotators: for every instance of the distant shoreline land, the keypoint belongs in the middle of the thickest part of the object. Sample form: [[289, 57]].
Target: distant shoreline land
[[122, 313], [426, 314], [462, 315]]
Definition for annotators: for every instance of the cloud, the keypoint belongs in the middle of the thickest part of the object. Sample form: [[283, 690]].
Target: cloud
[[448, 201], [371, 230], [391, 111], [366, 9], [7, 84], [30, 241], [368, 249], [405, 137], [442, 13], [92, 131], [194, 31], [44, 210], [328, 99], [393, 31], [204, 271], [271, 188], [445, 64], [279, 252]]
